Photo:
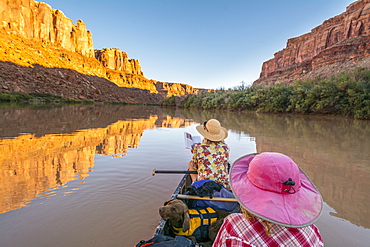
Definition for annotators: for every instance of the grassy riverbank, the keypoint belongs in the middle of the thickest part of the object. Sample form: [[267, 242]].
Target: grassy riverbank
[[35, 98], [49, 99], [347, 94]]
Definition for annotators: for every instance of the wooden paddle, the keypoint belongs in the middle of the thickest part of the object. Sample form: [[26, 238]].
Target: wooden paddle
[[182, 196], [173, 171]]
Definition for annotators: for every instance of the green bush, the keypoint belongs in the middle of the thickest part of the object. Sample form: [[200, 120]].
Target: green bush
[[275, 99]]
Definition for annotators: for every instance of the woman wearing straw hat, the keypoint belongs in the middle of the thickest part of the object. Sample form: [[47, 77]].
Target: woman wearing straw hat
[[211, 156], [279, 204]]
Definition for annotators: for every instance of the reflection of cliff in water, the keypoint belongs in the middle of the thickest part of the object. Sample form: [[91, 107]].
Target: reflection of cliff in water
[[66, 119], [333, 151], [33, 162]]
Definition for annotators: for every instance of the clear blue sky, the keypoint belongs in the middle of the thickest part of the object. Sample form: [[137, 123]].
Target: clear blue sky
[[203, 43]]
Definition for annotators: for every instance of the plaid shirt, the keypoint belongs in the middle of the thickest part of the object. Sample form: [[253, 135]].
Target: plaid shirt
[[238, 231]]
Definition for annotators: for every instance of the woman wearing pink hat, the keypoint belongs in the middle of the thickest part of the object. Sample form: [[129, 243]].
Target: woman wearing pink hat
[[279, 204], [211, 156]]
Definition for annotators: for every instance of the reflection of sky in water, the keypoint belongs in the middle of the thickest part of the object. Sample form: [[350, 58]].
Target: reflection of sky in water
[[337, 230]]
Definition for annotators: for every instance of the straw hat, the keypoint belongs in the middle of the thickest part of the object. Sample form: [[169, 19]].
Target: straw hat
[[212, 130], [271, 186]]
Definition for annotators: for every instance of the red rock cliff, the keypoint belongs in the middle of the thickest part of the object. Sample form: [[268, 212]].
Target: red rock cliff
[[115, 59], [37, 20], [33, 33], [340, 43]]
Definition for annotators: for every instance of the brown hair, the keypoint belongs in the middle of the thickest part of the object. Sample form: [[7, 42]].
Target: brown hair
[[209, 141], [267, 225]]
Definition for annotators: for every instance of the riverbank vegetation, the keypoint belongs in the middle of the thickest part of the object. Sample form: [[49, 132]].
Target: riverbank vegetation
[[44, 98], [347, 94], [37, 98]]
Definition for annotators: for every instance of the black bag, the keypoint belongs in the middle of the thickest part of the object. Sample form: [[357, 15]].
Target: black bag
[[165, 241]]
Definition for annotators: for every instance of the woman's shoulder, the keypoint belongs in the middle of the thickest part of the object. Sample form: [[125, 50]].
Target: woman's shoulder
[[222, 145], [235, 217], [211, 145], [201, 144]]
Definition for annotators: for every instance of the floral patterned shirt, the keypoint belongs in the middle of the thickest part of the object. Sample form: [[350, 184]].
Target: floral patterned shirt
[[210, 160]]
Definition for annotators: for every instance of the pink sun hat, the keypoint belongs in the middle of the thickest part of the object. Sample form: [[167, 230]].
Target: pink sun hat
[[271, 186]]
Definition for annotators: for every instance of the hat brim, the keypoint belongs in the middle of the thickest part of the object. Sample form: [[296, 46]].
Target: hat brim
[[220, 137], [291, 210]]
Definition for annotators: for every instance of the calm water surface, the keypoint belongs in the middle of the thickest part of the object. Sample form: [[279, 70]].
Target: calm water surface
[[81, 175]]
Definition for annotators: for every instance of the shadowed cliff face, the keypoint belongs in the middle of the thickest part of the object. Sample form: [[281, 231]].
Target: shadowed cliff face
[[68, 83], [33, 33], [339, 44]]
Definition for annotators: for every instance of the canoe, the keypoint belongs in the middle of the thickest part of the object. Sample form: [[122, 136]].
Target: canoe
[[179, 193]]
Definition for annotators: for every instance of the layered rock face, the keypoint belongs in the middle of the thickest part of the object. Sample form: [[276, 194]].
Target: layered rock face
[[37, 20], [33, 33], [126, 72], [122, 70], [175, 89], [115, 59], [340, 43]]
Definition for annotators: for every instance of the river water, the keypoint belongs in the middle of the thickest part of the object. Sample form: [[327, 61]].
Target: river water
[[82, 175]]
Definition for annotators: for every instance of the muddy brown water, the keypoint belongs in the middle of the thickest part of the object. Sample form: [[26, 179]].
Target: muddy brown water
[[82, 175]]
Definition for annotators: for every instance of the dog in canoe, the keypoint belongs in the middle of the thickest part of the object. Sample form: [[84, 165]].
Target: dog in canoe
[[198, 225]]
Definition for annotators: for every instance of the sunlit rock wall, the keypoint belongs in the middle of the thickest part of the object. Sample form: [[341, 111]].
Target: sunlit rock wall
[[33, 33], [126, 72], [122, 70], [339, 44], [31, 19], [175, 89], [115, 59]]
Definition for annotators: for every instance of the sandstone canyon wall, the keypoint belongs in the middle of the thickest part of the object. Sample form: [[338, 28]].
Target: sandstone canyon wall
[[115, 59], [339, 44], [126, 72], [33, 33], [31, 19]]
